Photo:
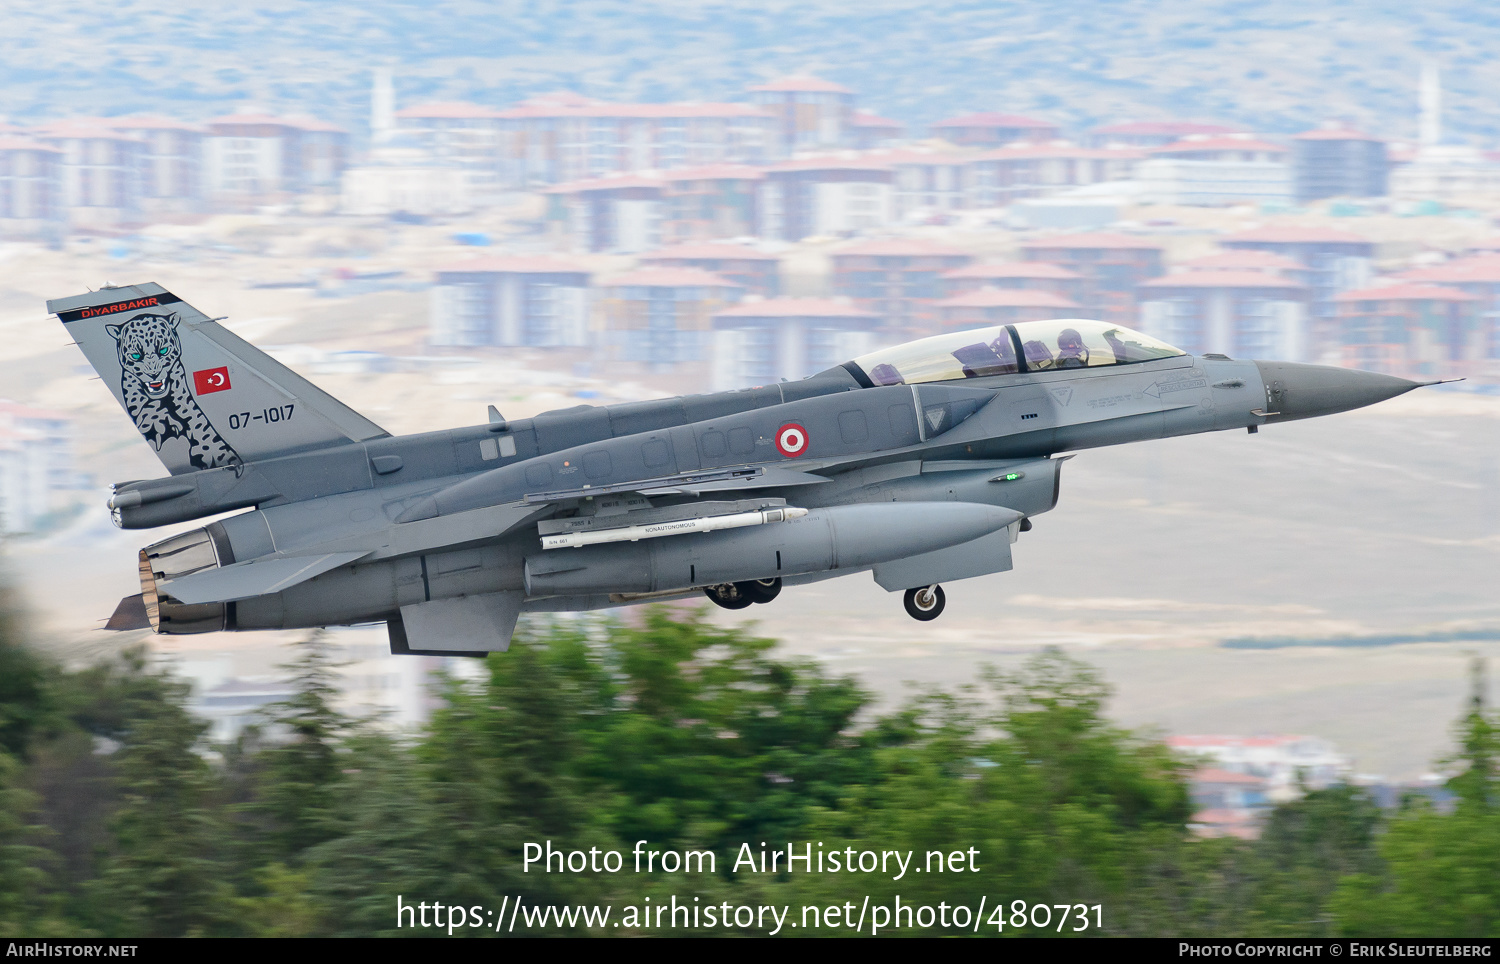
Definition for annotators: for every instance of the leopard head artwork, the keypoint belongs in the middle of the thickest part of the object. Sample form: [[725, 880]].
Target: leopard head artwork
[[150, 351]]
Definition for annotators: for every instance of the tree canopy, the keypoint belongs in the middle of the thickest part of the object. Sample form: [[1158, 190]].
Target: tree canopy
[[118, 819]]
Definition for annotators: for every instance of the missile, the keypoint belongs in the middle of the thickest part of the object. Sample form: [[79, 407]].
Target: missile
[[656, 530]]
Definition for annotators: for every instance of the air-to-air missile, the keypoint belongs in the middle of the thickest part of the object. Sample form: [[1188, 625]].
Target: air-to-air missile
[[921, 464]]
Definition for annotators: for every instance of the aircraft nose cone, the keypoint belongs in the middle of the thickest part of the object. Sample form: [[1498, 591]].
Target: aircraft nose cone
[[1306, 391]]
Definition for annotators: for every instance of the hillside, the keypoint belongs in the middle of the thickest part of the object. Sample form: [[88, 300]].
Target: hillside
[[1275, 66]]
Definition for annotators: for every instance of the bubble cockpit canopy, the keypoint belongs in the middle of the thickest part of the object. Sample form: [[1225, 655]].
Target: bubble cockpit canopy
[[1030, 346]]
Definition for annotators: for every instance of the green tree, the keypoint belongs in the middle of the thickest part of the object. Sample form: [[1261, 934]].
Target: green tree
[[26, 702], [1443, 870], [298, 773], [1306, 847], [708, 739], [1058, 804], [1477, 782], [163, 874], [27, 706], [22, 879]]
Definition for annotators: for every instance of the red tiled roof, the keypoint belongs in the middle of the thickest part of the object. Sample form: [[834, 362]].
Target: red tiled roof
[[795, 308], [991, 119], [514, 264], [605, 183], [1014, 269], [1022, 151], [826, 162], [454, 109], [1233, 260], [706, 250], [803, 84], [555, 97], [83, 128], [1410, 291], [714, 172], [1335, 134], [1162, 129], [1008, 298], [1295, 234], [669, 278], [1216, 775], [899, 247], [865, 118], [644, 111], [1218, 144], [1089, 239], [295, 122], [251, 119], [1221, 817], [911, 155], [152, 124], [1212, 740], [631, 111], [1222, 279], [1476, 268], [315, 124], [26, 144]]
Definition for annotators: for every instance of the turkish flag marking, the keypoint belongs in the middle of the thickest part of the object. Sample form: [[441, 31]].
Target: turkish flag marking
[[211, 380]]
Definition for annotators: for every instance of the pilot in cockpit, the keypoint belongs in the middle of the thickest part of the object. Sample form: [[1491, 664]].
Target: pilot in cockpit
[[1071, 352], [997, 357]]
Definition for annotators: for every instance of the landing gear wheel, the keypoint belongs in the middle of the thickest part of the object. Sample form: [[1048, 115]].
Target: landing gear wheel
[[762, 590], [730, 595], [925, 603]]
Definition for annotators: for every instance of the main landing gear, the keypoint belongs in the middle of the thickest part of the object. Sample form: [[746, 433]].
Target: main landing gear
[[738, 595], [925, 602]]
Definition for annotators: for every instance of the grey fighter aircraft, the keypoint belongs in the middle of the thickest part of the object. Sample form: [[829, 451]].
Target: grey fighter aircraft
[[920, 464]]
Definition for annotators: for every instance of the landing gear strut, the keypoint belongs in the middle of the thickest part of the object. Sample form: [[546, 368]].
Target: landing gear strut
[[738, 595], [925, 602]]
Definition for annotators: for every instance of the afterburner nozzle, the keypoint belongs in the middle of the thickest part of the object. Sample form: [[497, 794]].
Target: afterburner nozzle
[[1296, 391], [172, 558]]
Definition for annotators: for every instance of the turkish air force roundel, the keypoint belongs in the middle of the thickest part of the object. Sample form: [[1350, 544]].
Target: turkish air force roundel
[[791, 440]]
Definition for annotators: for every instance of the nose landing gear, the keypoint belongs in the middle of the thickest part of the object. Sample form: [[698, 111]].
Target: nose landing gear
[[925, 602], [738, 595]]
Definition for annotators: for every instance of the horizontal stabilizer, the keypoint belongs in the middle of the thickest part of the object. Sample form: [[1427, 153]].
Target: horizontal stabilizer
[[257, 578], [129, 614]]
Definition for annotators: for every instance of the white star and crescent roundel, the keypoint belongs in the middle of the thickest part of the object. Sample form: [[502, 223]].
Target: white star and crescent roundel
[[791, 440]]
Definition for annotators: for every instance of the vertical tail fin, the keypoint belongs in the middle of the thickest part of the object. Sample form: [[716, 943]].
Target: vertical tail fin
[[201, 395]]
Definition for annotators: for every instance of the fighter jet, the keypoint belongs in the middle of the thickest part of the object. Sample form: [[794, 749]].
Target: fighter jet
[[921, 464]]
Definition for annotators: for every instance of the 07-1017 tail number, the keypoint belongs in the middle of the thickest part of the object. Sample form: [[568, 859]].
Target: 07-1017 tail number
[[278, 413]]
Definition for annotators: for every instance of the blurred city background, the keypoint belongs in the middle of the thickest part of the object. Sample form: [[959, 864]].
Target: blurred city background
[[431, 208]]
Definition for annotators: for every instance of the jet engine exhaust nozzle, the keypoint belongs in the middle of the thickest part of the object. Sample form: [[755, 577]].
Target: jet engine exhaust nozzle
[[173, 558]]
